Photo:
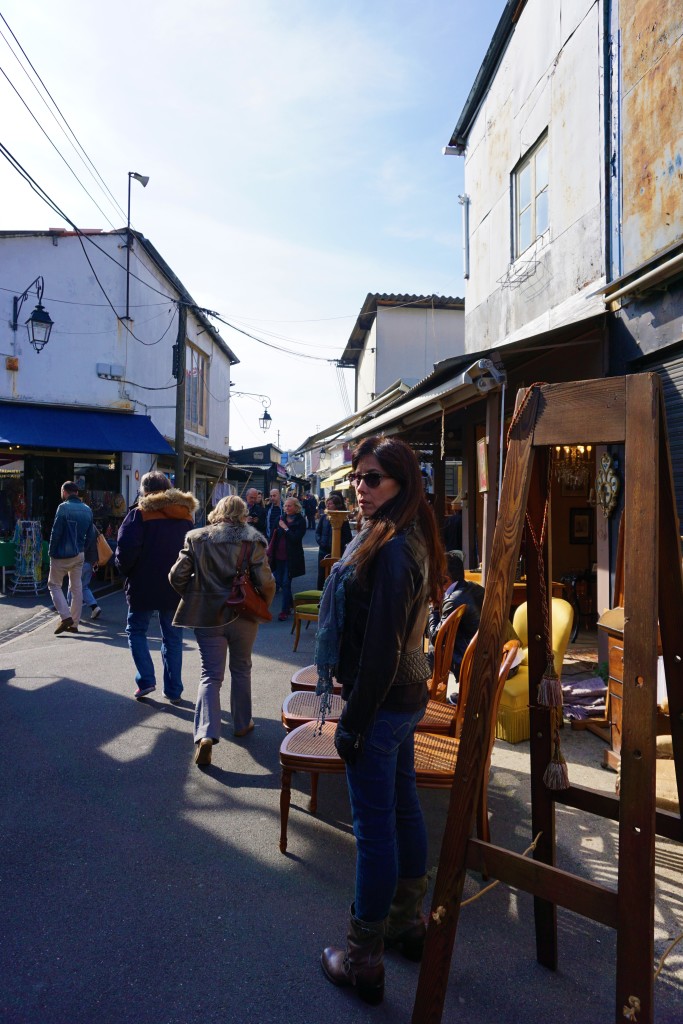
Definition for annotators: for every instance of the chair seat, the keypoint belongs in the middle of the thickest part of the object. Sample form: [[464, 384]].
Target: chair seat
[[438, 717], [307, 679], [304, 706], [304, 749], [307, 609], [435, 759], [306, 596]]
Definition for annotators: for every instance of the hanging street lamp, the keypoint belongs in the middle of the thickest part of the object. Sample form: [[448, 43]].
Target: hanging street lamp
[[39, 324]]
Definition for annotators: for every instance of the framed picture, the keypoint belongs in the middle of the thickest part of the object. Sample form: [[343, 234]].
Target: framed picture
[[482, 466], [581, 526]]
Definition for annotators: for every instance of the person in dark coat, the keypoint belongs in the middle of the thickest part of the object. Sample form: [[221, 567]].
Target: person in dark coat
[[310, 506], [256, 513], [286, 552], [461, 591], [323, 533], [149, 541]]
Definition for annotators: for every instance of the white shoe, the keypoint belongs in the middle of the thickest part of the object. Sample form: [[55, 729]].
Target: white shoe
[[96, 612]]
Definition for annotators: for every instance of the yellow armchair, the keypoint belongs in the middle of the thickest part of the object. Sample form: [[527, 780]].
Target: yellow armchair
[[512, 723]]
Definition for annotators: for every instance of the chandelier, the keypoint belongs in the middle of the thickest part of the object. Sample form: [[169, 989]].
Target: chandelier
[[573, 465]]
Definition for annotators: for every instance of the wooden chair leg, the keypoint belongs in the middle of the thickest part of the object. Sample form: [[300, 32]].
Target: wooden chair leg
[[314, 792], [285, 800], [297, 631]]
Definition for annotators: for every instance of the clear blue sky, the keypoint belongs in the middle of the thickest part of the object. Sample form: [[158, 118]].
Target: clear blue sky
[[294, 155]]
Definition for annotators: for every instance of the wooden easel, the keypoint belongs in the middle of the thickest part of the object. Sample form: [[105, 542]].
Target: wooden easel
[[625, 410]]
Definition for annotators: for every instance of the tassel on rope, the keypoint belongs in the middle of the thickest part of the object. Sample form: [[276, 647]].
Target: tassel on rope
[[556, 775], [550, 687]]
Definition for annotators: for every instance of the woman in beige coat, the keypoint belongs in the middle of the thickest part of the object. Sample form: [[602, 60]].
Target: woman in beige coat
[[203, 576]]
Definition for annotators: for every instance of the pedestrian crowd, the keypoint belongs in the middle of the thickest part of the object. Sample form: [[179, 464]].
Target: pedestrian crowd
[[388, 591]]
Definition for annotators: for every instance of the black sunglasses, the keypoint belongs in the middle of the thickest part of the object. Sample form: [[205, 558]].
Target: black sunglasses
[[373, 479]]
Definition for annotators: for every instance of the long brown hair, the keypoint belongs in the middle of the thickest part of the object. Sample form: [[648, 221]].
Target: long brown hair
[[399, 461]]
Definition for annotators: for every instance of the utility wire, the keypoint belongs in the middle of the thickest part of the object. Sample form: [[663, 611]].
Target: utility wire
[[55, 147], [57, 108]]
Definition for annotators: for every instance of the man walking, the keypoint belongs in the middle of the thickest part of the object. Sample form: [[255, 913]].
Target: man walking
[[256, 513], [148, 544], [72, 530], [273, 512]]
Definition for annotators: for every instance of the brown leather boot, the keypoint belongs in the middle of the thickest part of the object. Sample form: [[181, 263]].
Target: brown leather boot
[[406, 926], [360, 965]]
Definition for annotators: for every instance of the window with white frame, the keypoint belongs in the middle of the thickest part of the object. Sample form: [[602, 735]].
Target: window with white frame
[[530, 180], [196, 374]]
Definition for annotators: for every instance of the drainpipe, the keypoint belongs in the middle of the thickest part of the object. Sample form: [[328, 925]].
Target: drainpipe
[[464, 201]]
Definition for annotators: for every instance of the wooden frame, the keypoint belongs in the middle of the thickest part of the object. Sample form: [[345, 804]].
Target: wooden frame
[[581, 525], [627, 410], [482, 466]]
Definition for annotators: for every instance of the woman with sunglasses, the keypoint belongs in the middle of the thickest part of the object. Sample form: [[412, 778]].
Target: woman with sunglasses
[[370, 637]]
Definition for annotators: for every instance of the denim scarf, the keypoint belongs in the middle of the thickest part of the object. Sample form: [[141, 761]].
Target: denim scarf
[[331, 624]]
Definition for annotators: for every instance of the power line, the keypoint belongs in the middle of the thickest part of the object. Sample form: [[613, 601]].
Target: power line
[[57, 108]]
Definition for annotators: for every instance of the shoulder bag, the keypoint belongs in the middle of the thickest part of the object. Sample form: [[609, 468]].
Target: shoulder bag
[[104, 552], [244, 598]]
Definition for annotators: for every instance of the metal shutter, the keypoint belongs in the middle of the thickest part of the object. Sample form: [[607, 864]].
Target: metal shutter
[[671, 372]]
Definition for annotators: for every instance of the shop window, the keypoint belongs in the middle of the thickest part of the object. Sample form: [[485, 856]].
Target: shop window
[[12, 500], [196, 381], [530, 197]]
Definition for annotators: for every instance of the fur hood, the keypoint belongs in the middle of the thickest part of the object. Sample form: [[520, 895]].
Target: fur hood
[[172, 503]]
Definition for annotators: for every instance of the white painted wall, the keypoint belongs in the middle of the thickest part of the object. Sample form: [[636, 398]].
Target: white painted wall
[[549, 77], [86, 332], [407, 343]]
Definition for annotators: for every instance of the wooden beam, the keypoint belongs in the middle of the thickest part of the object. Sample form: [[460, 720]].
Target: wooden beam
[[581, 411], [544, 882]]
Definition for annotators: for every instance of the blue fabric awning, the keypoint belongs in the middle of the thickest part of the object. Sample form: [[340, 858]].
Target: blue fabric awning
[[47, 426]]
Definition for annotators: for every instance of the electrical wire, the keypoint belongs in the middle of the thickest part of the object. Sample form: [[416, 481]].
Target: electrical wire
[[55, 147], [268, 344], [56, 106]]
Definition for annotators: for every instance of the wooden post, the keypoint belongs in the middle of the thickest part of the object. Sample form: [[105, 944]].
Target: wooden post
[[336, 519]]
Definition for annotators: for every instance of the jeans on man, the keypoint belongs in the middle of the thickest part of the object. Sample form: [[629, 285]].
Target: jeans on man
[[88, 596], [390, 832], [171, 650], [59, 568], [284, 583]]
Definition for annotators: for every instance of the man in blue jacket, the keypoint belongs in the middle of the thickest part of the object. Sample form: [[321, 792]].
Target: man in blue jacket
[[72, 532], [148, 544]]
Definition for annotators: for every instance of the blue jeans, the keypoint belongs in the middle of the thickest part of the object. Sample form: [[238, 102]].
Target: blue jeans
[[391, 837], [284, 582], [171, 650], [88, 596]]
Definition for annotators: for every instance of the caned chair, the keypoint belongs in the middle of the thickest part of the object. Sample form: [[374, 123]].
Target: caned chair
[[513, 724], [303, 706], [307, 679], [311, 749], [440, 716], [306, 609]]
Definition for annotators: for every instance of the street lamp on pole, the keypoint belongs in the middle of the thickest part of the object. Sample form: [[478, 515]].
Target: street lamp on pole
[[143, 179]]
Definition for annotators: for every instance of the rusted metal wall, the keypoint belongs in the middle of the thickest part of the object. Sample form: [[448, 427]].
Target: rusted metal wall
[[651, 126]]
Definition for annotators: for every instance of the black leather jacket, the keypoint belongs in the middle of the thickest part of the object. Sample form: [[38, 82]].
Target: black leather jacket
[[381, 661]]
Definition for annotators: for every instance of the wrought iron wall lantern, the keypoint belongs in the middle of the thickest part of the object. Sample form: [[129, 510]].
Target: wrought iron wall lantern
[[265, 420], [39, 324], [607, 485]]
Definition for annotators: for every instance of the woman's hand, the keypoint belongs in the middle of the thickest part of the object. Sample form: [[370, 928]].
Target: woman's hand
[[347, 744], [283, 525]]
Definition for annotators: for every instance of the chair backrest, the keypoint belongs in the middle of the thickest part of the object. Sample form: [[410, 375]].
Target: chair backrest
[[443, 650], [509, 654], [562, 621]]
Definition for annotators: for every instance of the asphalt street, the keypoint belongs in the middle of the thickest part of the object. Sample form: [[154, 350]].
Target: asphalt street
[[135, 887]]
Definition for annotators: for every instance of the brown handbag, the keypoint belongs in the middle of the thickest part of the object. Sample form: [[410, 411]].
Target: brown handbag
[[104, 552], [244, 598]]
